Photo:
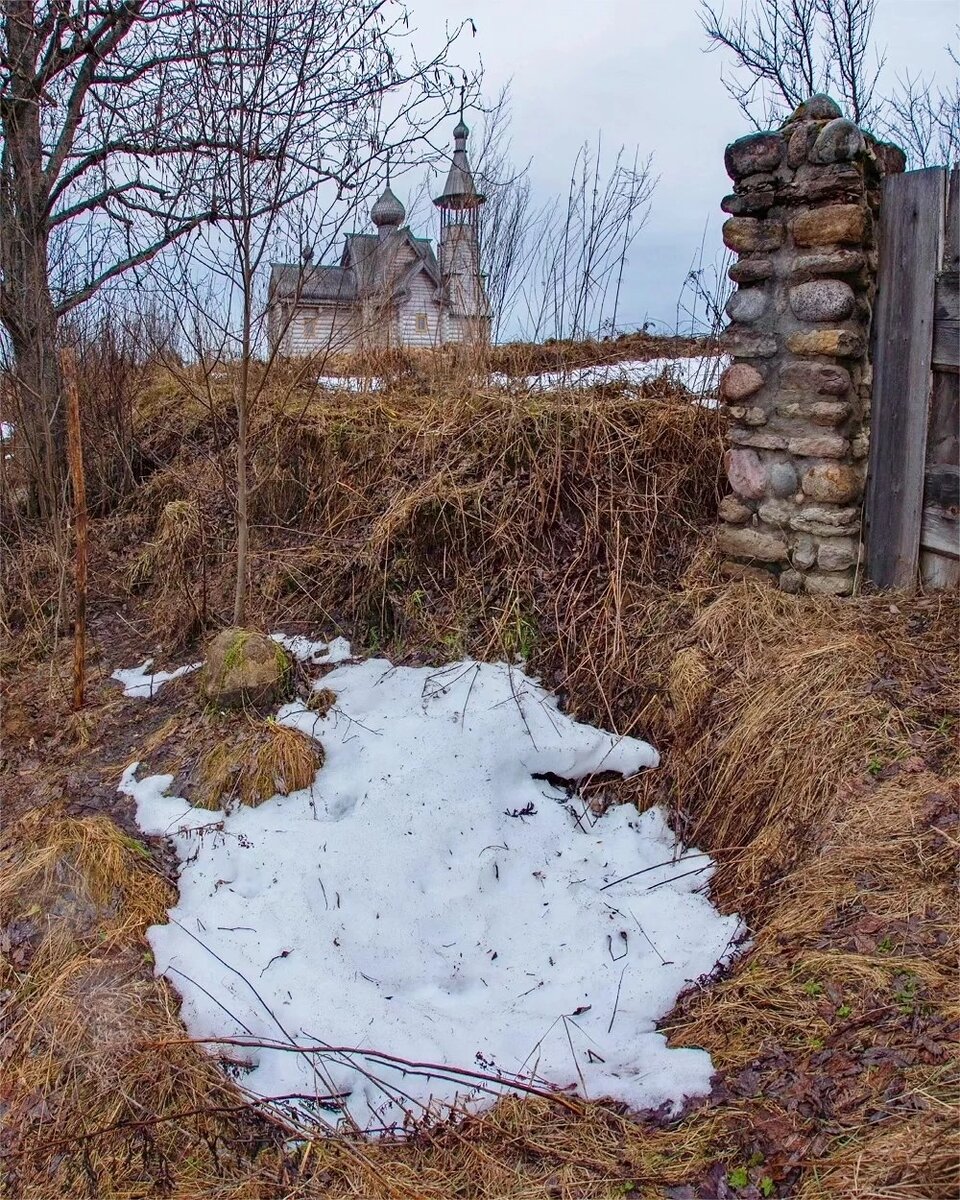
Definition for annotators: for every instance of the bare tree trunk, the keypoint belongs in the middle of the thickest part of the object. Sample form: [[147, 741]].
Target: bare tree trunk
[[27, 310], [78, 481], [41, 415], [243, 419]]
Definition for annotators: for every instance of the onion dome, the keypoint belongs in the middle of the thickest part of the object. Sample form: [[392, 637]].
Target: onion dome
[[388, 213]]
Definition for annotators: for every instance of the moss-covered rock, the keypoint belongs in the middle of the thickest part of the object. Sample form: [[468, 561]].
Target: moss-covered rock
[[243, 668]]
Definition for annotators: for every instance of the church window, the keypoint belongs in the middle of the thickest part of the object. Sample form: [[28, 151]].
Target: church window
[[420, 322], [310, 327]]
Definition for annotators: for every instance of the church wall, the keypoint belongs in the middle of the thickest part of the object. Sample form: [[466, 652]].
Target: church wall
[[421, 302], [323, 328]]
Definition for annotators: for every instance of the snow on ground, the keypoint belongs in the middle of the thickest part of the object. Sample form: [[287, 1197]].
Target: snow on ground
[[337, 650], [6, 431], [699, 374], [438, 896], [140, 683]]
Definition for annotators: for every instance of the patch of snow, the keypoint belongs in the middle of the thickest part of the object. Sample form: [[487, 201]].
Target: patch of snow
[[6, 431], [349, 383], [140, 683], [337, 650], [698, 373], [439, 896]]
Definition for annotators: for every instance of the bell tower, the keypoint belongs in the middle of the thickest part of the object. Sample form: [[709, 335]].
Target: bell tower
[[460, 204]]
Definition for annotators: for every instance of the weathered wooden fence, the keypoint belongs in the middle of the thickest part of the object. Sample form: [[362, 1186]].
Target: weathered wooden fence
[[913, 493]]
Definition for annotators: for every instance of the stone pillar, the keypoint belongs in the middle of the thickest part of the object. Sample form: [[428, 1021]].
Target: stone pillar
[[803, 214]]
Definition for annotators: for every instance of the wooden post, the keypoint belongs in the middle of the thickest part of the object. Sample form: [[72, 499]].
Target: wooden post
[[911, 240], [940, 532], [68, 369]]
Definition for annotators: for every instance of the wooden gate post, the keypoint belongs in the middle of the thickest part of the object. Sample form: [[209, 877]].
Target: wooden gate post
[[910, 288]]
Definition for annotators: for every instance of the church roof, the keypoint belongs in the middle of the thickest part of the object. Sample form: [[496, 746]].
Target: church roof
[[365, 269]]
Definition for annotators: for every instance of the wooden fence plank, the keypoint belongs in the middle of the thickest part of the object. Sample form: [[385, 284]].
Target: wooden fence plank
[[911, 243], [946, 321], [951, 238]]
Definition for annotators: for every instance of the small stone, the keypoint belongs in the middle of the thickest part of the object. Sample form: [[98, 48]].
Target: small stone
[[734, 511], [819, 107], [743, 343], [815, 529], [783, 478], [747, 305], [746, 473], [804, 553], [839, 141], [822, 300], [791, 582], [801, 141], [826, 583], [833, 482], [748, 204], [827, 445], [778, 513], [758, 441], [759, 544], [754, 417], [756, 152], [838, 343], [814, 185], [860, 446], [836, 554], [755, 182], [834, 517], [824, 378], [740, 381], [750, 270], [835, 262], [823, 521], [890, 158], [844, 224], [829, 412], [748, 235]]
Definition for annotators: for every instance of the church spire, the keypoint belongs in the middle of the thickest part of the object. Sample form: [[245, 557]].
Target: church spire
[[459, 192]]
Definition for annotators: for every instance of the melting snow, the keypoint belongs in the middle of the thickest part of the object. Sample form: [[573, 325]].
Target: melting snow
[[139, 682], [699, 374], [337, 650], [439, 896]]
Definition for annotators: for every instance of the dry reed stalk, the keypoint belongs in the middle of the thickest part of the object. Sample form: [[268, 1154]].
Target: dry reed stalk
[[68, 368]]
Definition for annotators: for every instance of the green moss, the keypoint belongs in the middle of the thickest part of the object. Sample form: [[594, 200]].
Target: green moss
[[234, 653]]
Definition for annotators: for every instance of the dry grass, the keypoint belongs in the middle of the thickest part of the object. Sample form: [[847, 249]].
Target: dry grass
[[253, 762], [73, 876], [808, 744]]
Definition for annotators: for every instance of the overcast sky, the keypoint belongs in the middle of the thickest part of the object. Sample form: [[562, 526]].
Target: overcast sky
[[636, 70]]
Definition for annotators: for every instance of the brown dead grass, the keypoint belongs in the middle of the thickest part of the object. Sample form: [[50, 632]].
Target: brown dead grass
[[808, 744], [249, 764]]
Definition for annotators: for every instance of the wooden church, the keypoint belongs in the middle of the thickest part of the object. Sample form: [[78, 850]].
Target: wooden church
[[390, 288]]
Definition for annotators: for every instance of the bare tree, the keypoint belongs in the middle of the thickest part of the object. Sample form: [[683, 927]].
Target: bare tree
[[924, 118], [112, 150], [573, 287], [96, 129], [307, 98], [785, 51]]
